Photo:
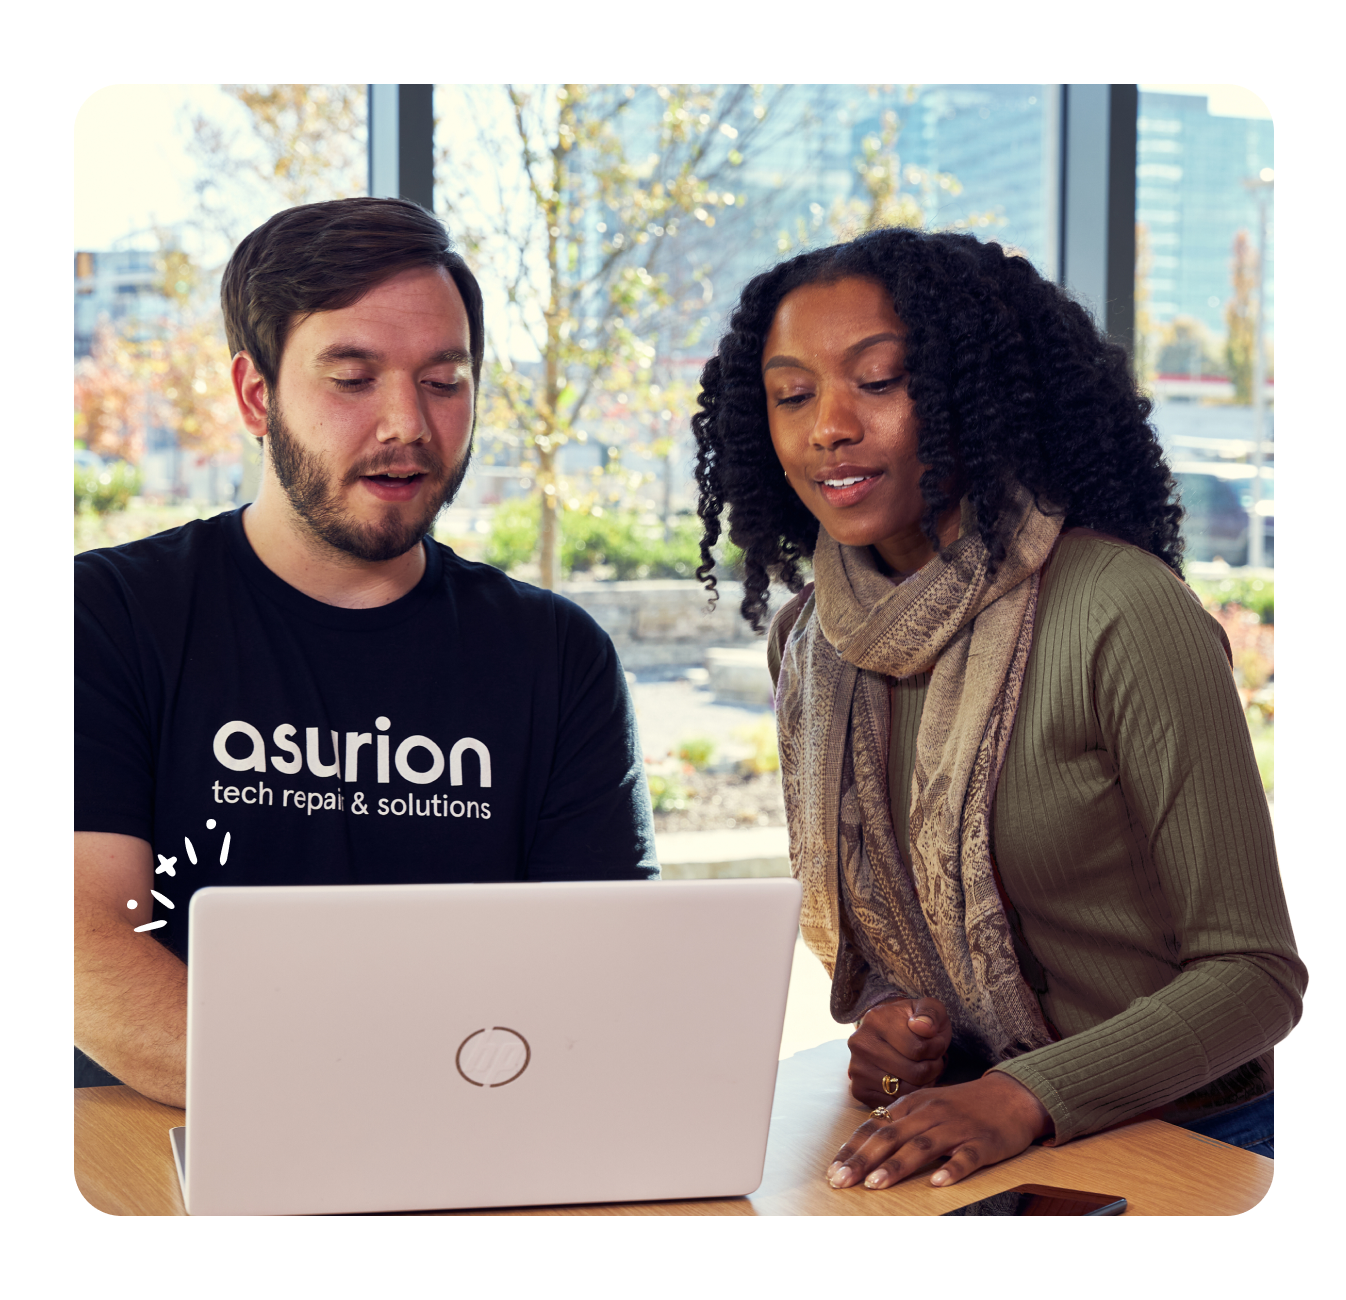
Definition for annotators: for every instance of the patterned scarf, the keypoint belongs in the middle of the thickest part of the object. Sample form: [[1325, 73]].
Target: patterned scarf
[[936, 925]]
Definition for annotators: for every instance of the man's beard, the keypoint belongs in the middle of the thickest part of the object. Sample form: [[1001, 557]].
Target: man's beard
[[312, 492]]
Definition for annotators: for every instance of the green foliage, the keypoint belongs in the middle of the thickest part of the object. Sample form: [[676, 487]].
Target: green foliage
[[762, 737], [107, 489], [513, 538], [667, 793], [1254, 593], [698, 751], [1252, 669], [629, 544], [621, 544], [138, 520], [1262, 731], [729, 561], [595, 232], [1240, 319]]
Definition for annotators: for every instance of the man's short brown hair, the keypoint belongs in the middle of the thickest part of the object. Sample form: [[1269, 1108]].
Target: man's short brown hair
[[325, 256]]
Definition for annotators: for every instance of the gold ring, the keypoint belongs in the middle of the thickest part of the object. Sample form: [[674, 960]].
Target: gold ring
[[891, 1085], [881, 1112]]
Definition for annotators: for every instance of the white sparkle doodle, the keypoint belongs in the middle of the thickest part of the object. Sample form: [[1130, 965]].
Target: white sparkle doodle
[[153, 925], [166, 867], [224, 848]]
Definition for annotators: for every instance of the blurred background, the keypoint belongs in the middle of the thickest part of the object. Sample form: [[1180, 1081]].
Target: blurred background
[[612, 227], [641, 211]]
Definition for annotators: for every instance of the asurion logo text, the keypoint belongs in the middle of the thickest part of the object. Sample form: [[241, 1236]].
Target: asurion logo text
[[292, 759]]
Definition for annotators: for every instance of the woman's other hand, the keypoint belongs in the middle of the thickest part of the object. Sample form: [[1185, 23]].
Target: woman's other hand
[[974, 1124], [904, 1039]]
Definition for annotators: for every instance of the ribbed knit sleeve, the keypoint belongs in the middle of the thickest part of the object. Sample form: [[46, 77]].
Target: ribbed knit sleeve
[[1135, 842]]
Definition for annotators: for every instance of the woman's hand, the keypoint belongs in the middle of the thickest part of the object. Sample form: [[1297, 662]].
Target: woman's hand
[[974, 1124], [905, 1039]]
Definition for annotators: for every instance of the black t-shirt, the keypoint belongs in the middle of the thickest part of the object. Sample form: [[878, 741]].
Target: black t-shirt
[[477, 729]]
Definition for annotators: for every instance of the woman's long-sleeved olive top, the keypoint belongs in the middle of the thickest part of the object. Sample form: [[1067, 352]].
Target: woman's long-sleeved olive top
[[1135, 846]]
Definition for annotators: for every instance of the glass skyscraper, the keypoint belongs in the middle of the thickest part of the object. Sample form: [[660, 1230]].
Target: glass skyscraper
[[976, 156], [1192, 197], [1000, 143]]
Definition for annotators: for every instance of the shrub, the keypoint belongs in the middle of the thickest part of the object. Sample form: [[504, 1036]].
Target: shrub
[[667, 793], [729, 564], [105, 489], [698, 751], [1262, 732], [765, 756], [1252, 668], [631, 545], [1256, 594], [625, 543], [513, 539]]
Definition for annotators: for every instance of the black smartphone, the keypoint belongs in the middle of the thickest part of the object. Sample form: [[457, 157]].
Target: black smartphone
[[1032, 1198]]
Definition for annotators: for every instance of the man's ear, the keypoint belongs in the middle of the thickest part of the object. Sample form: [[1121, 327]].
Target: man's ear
[[250, 393]]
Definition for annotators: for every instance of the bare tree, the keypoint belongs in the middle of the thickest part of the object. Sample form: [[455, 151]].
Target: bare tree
[[164, 366], [302, 143], [586, 211], [1239, 315], [1144, 363]]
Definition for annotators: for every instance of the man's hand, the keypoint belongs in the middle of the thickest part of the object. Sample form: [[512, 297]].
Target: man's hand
[[130, 991], [905, 1039], [974, 1124]]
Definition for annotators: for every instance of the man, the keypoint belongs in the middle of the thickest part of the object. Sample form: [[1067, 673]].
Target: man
[[311, 690]]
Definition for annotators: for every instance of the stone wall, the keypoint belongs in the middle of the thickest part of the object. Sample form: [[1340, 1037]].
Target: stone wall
[[664, 622]]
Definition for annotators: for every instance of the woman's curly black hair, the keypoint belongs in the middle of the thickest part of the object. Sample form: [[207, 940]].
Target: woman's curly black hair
[[1011, 382]]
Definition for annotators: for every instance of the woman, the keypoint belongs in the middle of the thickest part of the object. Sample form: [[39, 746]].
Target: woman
[[1022, 799]]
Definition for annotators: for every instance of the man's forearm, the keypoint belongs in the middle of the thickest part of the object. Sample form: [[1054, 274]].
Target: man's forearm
[[131, 1011]]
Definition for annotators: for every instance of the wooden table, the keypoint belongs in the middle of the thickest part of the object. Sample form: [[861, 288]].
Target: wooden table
[[123, 1164]]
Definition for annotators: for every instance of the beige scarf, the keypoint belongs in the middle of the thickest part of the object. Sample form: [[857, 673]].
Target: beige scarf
[[937, 925]]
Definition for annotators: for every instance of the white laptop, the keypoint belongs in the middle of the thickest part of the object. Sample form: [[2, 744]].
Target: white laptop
[[414, 1047]]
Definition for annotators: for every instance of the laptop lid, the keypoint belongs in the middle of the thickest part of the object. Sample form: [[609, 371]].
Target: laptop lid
[[403, 1047]]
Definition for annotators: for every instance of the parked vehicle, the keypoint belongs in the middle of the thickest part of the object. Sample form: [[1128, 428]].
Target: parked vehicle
[[1266, 507], [1216, 500]]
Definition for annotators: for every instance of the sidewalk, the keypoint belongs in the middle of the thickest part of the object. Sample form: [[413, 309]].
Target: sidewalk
[[715, 855], [672, 710]]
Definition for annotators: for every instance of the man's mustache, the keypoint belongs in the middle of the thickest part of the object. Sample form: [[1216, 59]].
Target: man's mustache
[[402, 460]]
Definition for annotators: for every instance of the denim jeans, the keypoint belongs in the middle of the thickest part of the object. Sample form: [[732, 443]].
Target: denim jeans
[[1251, 1126]]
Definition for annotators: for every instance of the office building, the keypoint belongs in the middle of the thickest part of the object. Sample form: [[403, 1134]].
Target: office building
[[115, 285], [1198, 178]]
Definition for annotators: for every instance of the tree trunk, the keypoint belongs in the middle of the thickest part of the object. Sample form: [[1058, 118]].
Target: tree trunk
[[668, 494], [549, 528]]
